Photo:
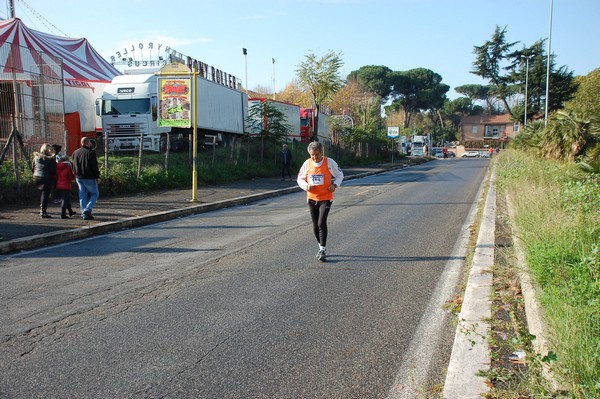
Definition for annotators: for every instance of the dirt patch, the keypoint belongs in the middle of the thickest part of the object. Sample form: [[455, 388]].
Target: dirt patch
[[510, 341]]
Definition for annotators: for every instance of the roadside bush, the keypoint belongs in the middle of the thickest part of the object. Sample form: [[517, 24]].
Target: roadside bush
[[17, 191]]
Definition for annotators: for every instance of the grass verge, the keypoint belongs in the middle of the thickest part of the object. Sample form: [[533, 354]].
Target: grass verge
[[557, 217]]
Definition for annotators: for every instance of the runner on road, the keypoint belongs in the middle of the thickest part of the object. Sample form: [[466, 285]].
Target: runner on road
[[319, 176]]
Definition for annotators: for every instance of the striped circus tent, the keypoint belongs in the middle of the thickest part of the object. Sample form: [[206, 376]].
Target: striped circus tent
[[49, 84], [79, 60]]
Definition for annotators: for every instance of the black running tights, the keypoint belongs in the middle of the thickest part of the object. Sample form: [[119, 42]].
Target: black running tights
[[319, 210]]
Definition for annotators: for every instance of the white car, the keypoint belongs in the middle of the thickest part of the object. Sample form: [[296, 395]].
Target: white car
[[471, 154]]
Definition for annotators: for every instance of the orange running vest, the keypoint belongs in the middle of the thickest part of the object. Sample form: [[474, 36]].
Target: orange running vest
[[321, 178]]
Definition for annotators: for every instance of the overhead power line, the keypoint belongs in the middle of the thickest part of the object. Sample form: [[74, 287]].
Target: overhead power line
[[42, 19]]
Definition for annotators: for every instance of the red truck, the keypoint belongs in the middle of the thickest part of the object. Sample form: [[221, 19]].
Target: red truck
[[307, 126]]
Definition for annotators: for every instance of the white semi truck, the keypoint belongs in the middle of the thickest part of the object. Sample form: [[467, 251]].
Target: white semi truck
[[417, 145], [129, 111]]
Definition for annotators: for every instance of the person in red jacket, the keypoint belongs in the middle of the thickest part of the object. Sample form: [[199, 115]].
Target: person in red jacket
[[319, 176], [64, 178]]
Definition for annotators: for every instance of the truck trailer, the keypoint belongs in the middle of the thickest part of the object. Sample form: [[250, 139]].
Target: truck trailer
[[291, 113], [129, 111]]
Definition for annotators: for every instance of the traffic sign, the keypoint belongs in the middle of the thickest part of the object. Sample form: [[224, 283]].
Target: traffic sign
[[393, 132]]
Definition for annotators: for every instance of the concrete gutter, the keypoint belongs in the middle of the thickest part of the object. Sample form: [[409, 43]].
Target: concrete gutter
[[471, 352]]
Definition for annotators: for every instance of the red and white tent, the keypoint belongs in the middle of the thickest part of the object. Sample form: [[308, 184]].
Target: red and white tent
[[27, 55], [79, 59]]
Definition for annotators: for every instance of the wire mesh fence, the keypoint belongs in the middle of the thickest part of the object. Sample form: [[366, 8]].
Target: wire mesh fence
[[31, 99], [245, 150], [242, 158]]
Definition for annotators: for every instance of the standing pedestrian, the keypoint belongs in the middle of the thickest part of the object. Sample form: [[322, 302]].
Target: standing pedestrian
[[54, 194], [319, 176], [87, 175], [64, 177], [44, 171], [286, 162]]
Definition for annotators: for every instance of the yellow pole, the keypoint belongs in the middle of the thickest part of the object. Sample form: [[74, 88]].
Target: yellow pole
[[194, 139]]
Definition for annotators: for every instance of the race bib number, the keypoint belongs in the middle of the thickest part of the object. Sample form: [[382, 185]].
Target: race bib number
[[316, 180]]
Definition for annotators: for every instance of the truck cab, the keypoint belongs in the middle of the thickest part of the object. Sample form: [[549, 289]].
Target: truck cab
[[418, 144], [307, 126], [129, 108]]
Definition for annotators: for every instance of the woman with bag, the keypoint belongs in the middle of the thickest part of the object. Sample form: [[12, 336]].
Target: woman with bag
[[44, 171]]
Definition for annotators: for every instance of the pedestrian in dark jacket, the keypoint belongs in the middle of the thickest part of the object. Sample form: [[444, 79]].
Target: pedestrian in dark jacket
[[54, 194], [286, 162], [87, 175], [44, 171]]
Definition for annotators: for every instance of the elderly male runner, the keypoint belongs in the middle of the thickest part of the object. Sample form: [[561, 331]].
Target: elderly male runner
[[319, 176]]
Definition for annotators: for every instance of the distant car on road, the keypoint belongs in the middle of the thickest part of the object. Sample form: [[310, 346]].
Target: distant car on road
[[471, 154], [438, 153]]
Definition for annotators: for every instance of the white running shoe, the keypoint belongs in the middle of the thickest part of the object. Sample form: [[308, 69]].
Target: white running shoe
[[322, 256]]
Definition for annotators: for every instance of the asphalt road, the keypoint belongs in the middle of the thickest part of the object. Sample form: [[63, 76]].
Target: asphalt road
[[233, 303]]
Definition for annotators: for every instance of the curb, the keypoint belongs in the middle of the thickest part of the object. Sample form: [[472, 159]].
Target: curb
[[41, 240], [470, 352]]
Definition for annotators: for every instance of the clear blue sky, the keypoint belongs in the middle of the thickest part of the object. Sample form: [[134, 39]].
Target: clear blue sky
[[400, 34]]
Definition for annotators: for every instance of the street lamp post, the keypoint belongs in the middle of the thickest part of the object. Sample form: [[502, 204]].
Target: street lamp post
[[273, 59], [245, 52], [527, 57], [548, 66]]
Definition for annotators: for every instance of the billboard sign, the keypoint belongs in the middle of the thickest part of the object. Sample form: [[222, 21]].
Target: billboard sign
[[393, 132], [174, 102]]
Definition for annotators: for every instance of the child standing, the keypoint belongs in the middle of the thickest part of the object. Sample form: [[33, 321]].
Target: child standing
[[64, 177]]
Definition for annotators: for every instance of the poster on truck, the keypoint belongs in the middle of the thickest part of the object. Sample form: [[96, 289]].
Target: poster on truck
[[174, 102]]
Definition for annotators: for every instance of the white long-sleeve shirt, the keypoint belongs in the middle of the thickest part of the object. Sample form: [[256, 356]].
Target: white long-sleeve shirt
[[336, 172]]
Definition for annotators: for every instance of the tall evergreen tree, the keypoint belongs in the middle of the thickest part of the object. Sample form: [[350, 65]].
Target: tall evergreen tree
[[488, 61]]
